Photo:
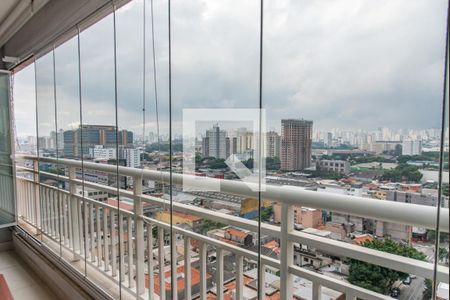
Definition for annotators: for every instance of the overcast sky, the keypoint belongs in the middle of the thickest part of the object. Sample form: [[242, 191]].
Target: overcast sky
[[349, 64]]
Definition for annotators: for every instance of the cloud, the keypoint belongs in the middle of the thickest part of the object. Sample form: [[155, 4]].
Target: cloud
[[348, 64]]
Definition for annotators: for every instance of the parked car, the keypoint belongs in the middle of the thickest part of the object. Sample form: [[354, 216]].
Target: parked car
[[407, 281], [395, 293], [412, 276]]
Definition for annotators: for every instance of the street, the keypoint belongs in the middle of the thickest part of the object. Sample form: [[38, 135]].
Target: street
[[413, 291]]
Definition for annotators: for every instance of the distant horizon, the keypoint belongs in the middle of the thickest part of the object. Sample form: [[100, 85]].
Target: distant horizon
[[148, 132]]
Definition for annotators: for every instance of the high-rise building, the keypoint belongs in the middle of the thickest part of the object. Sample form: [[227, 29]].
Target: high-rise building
[[227, 146], [244, 140], [273, 144], [411, 147], [214, 143], [93, 135], [329, 139], [205, 146], [296, 144]]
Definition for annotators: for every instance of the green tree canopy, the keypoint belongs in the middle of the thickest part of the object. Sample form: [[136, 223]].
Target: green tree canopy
[[376, 278], [403, 172]]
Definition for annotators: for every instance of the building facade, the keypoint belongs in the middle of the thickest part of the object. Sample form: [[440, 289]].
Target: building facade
[[411, 147], [296, 144], [214, 143], [93, 135], [336, 166], [273, 144]]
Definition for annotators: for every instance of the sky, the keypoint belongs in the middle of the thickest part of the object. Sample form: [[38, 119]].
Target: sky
[[354, 64]]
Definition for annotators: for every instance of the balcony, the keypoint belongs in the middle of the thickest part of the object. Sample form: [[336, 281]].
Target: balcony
[[93, 236], [103, 103]]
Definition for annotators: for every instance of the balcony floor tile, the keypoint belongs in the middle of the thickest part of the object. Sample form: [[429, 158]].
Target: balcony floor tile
[[22, 281]]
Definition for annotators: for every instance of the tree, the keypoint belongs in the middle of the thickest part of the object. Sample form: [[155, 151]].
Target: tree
[[273, 163], [403, 172], [428, 291], [368, 159], [398, 150], [249, 163], [208, 225], [443, 236], [376, 278], [266, 214], [443, 253]]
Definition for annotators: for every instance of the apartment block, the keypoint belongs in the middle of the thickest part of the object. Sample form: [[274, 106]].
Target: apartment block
[[296, 144]]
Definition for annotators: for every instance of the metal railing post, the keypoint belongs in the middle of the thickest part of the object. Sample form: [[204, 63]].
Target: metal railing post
[[36, 195], [239, 276], [74, 214], [287, 251], [139, 229], [161, 264], [219, 274], [203, 279], [317, 288], [187, 268]]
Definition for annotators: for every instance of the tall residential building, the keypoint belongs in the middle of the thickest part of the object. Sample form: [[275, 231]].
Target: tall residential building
[[296, 144], [329, 139], [57, 139], [244, 140], [273, 144], [214, 143], [411, 147], [205, 146], [93, 135]]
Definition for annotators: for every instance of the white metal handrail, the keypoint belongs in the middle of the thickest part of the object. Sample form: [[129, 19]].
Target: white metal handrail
[[383, 210]]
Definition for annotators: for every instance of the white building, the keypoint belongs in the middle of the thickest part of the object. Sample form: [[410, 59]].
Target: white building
[[132, 157], [92, 193], [410, 147], [99, 152]]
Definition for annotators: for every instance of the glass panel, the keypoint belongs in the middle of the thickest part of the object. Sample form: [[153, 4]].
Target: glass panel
[[442, 254], [7, 200], [215, 134], [25, 122], [355, 117], [25, 110], [68, 145], [131, 110], [48, 171], [98, 133]]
